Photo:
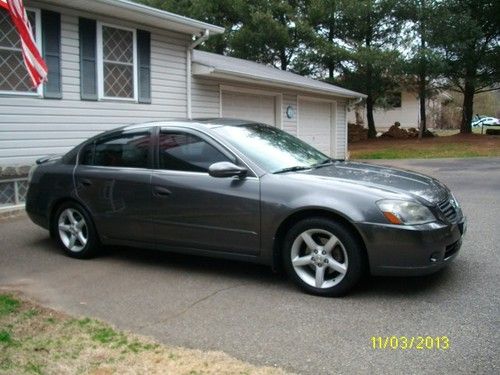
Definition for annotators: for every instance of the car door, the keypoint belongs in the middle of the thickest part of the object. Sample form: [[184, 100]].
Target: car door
[[113, 180], [191, 209]]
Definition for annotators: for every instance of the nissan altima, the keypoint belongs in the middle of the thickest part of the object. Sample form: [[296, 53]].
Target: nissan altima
[[245, 191]]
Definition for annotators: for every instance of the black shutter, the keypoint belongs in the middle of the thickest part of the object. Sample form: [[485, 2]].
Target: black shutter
[[144, 56], [51, 42], [88, 59]]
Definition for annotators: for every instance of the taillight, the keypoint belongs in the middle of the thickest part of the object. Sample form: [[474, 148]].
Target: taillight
[[30, 173]]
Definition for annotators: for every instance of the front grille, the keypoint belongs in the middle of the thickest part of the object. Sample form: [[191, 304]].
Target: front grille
[[452, 249], [448, 210]]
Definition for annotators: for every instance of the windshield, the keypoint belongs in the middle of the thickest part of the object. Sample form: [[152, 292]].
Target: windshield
[[272, 149]]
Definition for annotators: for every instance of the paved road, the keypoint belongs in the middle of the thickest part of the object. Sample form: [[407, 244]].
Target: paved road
[[256, 316]]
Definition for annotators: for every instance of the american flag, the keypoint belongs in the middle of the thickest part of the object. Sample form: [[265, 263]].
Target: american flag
[[36, 67]]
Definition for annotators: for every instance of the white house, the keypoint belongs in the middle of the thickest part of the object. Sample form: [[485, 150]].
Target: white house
[[405, 109], [116, 62]]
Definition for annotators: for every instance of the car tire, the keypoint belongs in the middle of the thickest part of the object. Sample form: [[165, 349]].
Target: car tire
[[74, 231], [323, 257]]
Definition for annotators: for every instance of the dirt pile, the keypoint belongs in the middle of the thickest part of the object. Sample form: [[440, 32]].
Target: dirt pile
[[395, 131], [356, 133]]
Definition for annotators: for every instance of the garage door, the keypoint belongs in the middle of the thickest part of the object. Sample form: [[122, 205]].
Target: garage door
[[261, 108], [314, 124]]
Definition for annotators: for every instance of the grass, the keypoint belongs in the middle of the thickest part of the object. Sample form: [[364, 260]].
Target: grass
[[8, 304], [37, 340], [452, 146]]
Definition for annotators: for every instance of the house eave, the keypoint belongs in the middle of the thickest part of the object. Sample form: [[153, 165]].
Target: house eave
[[206, 71], [139, 13]]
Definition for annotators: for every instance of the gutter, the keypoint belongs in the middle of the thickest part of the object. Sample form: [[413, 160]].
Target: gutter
[[355, 101], [189, 57], [162, 17]]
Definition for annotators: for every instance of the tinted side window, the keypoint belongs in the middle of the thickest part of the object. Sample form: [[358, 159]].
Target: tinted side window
[[128, 149], [187, 152]]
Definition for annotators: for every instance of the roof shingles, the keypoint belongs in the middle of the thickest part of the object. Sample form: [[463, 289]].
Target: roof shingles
[[235, 68]]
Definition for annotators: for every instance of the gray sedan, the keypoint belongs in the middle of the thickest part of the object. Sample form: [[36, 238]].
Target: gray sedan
[[245, 191]]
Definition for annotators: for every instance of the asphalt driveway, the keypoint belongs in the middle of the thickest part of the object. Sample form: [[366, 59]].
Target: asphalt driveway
[[257, 316]]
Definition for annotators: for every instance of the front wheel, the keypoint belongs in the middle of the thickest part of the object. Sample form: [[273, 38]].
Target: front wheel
[[323, 257], [74, 231]]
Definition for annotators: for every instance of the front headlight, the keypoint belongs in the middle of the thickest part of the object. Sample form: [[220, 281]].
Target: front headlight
[[456, 205], [405, 212]]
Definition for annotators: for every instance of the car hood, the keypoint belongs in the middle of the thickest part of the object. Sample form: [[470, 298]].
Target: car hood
[[385, 178]]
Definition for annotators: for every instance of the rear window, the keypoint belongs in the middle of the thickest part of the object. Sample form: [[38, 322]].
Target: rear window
[[127, 149]]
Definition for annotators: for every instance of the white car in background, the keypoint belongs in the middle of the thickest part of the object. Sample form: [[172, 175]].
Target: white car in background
[[478, 121]]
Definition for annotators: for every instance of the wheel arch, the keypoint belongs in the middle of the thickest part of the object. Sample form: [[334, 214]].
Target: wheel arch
[[58, 203], [297, 216]]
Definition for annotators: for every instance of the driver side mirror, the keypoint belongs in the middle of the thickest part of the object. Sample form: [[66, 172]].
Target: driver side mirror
[[226, 169]]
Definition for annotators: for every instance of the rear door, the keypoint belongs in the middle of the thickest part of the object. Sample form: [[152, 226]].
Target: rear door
[[191, 209], [113, 180]]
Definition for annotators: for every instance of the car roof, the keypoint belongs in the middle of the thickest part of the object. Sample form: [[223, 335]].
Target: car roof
[[208, 122]]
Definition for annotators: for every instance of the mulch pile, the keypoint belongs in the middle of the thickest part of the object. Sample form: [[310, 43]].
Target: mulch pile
[[356, 133], [395, 131]]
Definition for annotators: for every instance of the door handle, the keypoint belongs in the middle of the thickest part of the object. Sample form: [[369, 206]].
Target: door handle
[[85, 182], [160, 191]]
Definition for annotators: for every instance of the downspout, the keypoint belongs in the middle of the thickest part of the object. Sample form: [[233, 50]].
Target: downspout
[[189, 54]]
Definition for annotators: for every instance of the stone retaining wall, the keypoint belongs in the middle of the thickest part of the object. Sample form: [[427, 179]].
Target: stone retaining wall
[[7, 173]]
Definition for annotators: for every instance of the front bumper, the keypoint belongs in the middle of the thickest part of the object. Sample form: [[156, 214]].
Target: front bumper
[[395, 250]]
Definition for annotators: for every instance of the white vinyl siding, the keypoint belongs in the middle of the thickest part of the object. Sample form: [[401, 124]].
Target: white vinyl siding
[[341, 131], [205, 94], [408, 114], [33, 127]]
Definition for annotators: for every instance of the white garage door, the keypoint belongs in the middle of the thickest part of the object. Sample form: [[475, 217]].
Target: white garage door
[[261, 108], [315, 124]]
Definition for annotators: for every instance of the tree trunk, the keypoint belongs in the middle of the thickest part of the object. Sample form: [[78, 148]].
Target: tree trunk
[[423, 121], [422, 101], [283, 60], [422, 76], [331, 64], [372, 131], [220, 45], [467, 111]]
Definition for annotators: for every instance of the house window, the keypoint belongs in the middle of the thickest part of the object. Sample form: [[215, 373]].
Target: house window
[[118, 63], [14, 78], [394, 99]]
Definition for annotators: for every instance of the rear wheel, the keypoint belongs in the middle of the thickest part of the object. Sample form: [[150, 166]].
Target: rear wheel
[[323, 257], [74, 231]]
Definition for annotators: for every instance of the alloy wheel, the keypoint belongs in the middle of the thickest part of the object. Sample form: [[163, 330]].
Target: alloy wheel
[[319, 258], [73, 230]]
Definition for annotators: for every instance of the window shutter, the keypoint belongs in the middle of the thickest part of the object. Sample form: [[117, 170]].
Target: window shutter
[[51, 43], [144, 63], [88, 59]]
